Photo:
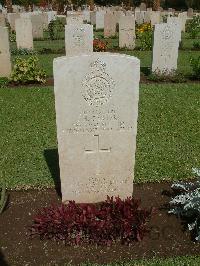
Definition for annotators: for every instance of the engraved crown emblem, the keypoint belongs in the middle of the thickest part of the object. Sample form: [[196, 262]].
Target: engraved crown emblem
[[97, 86]]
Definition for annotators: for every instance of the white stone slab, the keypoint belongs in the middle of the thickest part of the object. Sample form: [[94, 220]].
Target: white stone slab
[[24, 36], [78, 39], [109, 25], [127, 32], [5, 61], [96, 100], [165, 48]]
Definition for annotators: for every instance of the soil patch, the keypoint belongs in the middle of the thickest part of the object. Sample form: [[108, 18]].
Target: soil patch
[[167, 238]]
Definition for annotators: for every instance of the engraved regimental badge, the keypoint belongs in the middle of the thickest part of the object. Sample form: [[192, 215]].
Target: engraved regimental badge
[[97, 86]]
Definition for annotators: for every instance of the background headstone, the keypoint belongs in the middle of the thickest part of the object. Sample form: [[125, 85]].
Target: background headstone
[[96, 112], [127, 32], [165, 48], [78, 39], [109, 25], [5, 63], [24, 36]]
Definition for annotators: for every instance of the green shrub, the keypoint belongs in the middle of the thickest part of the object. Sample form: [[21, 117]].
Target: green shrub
[[144, 33], [27, 71], [23, 51], [3, 82], [186, 204], [174, 76], [196, 45], [195, 64], [55, 27], [193, 27]]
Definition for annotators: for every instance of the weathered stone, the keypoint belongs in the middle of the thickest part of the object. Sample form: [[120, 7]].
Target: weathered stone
[[24, 36], [109, 25], [127, 32], [96, 111], [78, 39], [5, 62], [11, 19], [165, 48]]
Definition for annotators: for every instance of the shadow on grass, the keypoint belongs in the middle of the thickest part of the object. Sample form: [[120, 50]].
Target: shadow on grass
[[2, 259], [52, 159]]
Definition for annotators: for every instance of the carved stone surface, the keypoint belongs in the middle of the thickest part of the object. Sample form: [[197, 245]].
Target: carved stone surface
[[165, 48], [37, 26], [155, 17], [74, 19], [110, 24], [177, 23], [24, 36], [2, 20], [96, 113], [100, 20], [127, 32], [11, 19], [5, 63], [78, 39]]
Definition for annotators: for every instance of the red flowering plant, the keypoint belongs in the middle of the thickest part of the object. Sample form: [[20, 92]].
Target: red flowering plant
[[99, 46], [110, 221]]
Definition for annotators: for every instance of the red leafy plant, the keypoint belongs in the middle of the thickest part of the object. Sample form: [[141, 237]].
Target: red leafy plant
[[103, 223], [99, 46]]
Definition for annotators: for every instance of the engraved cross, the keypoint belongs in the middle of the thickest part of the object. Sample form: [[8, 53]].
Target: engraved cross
[[97, 149]]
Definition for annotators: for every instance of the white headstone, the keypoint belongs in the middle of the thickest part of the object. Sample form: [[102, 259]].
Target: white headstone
[[165, 48], [183, 18], [37, 26], [100, 20], [127, 32], [2, 20], [11, 19], [78, 39], [5, 63], [155, 17], [177, 23], [74, 19], [96, 112], [109, 25], [24, 36]]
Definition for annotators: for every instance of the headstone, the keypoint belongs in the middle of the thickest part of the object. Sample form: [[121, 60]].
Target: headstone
[[51, 16], [24, 36], [109, 25], [190, 13], [155, 17], [5, 63], [143, 7], [96, 111], [147, 17], [74, 19], [37, 26], [100, 20], [78, 39], [11, 19], [127, 32], [93, 17], [177, 23], [2, 20], [139, 17], [165, 48], [86, 16], [137, 9], [183, 18]]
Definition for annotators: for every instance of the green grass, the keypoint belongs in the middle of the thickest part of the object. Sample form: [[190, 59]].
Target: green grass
[[176, 261], [168, 142]]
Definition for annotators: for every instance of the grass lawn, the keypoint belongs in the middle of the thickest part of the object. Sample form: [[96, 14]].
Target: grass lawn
[[167, 144], [177, 261]]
